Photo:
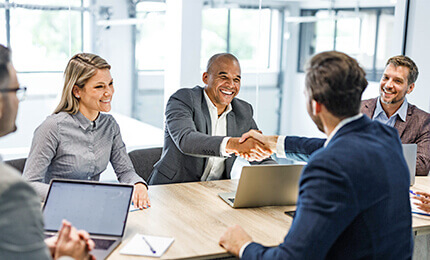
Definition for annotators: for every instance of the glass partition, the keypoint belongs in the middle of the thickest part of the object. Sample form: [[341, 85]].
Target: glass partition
[[272, 40]]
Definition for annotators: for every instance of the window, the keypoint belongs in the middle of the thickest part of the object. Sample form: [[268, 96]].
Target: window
[[42, 38], [150, 36], [360, 33], [234, 30]]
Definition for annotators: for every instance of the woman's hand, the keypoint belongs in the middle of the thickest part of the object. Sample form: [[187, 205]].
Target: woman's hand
[[140, 196]]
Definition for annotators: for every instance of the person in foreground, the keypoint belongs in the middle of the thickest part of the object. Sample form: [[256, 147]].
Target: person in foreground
[[78, 141], [393, 109], [203, 126], [354, 192], [21, 221]]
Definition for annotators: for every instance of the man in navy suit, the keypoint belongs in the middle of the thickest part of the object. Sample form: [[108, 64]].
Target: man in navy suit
[[354, 192]]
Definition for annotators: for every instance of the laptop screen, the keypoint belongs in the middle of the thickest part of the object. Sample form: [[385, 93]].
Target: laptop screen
[[410, 154], [98, 208]]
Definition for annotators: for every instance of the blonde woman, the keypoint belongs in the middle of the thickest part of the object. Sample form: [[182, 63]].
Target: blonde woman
[[78, 141]]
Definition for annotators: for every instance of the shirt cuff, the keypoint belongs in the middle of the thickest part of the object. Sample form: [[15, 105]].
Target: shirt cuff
[[66, 257], [242, 249], [143, 182], [223, 146], [280, 147]]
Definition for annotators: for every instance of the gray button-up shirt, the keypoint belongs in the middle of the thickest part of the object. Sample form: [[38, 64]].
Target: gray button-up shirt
[[73, 147]]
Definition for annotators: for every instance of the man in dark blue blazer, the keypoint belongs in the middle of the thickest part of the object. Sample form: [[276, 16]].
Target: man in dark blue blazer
[[354, 192]]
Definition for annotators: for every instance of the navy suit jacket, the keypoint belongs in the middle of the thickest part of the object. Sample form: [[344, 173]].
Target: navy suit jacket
[[353, 198]]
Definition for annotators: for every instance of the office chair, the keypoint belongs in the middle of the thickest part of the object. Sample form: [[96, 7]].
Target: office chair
[[144, 159], [17, 164]]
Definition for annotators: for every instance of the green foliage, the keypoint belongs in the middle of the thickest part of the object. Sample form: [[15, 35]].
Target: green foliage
[[51, 31]]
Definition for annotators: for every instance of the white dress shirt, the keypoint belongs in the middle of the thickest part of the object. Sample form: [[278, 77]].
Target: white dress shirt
[[215, 165]]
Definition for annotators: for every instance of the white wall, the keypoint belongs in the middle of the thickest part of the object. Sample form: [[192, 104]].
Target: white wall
[[417, 47], [294, 117], [115, 45], [183, 25]]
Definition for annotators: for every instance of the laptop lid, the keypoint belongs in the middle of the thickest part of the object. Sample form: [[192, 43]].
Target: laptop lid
[[410, 154], [99, 208], [266, 185]]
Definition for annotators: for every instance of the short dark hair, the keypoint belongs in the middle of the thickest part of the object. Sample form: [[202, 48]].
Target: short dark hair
[[402, 60], [337, 81], [4, 62], [218, 55]]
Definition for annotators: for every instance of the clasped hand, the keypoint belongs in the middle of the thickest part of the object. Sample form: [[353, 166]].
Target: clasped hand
[[252, 146], [70, 242]]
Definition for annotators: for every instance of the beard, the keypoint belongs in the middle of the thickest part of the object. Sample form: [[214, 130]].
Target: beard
[[399, 98], [318, 123]]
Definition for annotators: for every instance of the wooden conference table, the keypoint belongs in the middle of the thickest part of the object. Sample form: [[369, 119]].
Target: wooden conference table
[[196, 217]]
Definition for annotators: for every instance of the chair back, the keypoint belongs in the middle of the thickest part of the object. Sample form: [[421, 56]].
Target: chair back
[[17, 164], [144, 159]]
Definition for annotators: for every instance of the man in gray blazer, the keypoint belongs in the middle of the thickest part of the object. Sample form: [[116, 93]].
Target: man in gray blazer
[[393, 109], [203, 126], [21, 221]]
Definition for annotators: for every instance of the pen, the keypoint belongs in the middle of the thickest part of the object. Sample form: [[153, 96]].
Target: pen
[[413, 193], [150, 247]]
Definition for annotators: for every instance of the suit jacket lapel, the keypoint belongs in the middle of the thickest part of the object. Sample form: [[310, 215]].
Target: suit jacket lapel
[[206, 114], [231, 118], [369, 107], [400, 125]]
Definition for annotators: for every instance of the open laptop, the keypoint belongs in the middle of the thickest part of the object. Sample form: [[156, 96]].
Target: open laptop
[[99, 208], [265, 185], [410, 154]]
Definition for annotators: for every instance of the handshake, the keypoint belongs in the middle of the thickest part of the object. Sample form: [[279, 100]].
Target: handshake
[[252, 146]]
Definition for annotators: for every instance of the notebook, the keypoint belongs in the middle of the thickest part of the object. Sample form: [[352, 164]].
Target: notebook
[[99, 208], [265, 185], [146, 245]]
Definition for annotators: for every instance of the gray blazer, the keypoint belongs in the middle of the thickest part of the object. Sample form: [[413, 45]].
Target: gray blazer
[[21, 221], [187, 137], [415, 130]]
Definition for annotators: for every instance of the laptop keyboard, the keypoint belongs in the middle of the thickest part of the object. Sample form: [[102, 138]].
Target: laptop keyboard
[[103, 243]]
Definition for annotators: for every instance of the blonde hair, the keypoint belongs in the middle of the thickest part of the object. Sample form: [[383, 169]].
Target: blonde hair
[[79, 70]]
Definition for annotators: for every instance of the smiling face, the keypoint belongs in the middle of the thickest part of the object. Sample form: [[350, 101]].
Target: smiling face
[[222, 82], [394, 85], [96, 95]]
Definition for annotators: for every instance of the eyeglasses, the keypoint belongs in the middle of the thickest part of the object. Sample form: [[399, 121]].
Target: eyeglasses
[[20, 92]]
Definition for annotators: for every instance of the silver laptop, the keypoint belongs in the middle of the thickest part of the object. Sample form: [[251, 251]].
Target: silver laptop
[[410, 154], [99, 208], [265, 185]]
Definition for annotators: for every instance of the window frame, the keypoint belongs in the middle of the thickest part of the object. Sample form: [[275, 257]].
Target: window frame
[[372, 74], [7, 6]]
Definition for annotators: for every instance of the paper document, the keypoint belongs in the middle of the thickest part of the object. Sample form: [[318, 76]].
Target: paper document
[[415, 208], [132, 208], [146, 245]]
